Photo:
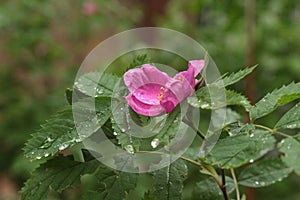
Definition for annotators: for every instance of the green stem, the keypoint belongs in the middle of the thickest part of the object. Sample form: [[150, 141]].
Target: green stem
[[274, 131], [188, 122], [181, 157], [223, 185], [235, 184], [213, 173]]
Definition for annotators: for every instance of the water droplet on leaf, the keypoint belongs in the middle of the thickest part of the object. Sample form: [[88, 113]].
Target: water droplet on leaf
[[62, 147], [129, 148], [155, 143], [115, 133]]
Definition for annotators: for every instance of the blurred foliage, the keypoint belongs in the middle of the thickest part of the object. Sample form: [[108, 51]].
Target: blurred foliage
[[42, 45], [220, 27]]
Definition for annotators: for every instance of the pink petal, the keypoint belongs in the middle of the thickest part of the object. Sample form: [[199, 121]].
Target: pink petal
[[182, 85], [148, 93], [198, 66], [143, 108], [180, 89], [136, 78], [89, 8], [170, 101], [153, 91], [188, 77]]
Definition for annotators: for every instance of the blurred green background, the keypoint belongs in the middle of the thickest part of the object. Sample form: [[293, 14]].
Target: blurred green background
[[43, 43]]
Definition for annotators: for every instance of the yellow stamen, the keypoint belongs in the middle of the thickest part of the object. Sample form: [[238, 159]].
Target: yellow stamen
[[179, 78], [160, 96]]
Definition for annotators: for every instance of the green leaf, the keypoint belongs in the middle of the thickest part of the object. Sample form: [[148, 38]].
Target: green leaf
[[161, 128], [57, 174], [97, 84], [204, 101], [288, 98], [59, 132], [231, 116], [122, 125], [203, 95], [69, 93], [209, 190], [275, 99], [168, 181], [291, 149], [170, 127], [235, 77], [237, 128], [234, 98], [264, 173], [111, 184], [291, 119], [138, 61], [143, 185], [234, 151]]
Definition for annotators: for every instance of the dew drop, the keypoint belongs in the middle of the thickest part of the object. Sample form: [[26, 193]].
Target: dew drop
[[230, 133], [155, 143], [129, 148], [256, 182], [99, 91], [291, 126], [251, 160], [115, 133], [77, 140], [38, 157], [251, 135], [62, 147], [49, 139], [204, 106], [123, 130], [46, 154]]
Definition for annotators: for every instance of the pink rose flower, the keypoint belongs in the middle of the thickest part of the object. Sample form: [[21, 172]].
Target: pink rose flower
[[152, 92], [89, 8]]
